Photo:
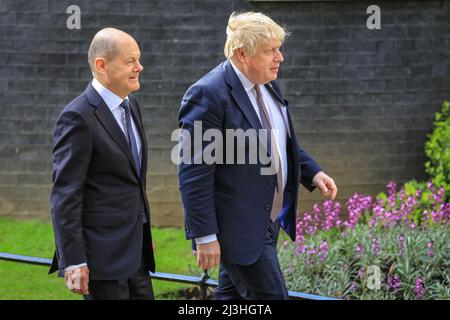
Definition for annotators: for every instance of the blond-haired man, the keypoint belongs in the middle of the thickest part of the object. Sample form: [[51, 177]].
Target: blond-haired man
[[233, 212]]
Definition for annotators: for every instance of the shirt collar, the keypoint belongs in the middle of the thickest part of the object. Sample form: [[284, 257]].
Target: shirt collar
[[111, 99], [247, 84]]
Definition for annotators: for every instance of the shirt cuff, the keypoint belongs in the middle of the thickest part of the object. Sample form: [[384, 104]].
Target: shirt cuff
[[75, 266], [206, 239]]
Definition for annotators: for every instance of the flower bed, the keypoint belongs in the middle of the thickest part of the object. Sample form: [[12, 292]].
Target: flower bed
[[394, 246]]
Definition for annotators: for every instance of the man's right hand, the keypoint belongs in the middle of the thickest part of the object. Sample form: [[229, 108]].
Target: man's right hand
[[208, 255], [77, 280]]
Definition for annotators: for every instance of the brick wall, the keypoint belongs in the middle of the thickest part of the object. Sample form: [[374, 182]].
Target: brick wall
[[363, 100]]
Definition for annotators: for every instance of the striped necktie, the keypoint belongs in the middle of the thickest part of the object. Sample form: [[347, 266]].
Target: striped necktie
[[277, 203]]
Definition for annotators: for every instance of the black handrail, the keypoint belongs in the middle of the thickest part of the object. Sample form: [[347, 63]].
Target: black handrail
[[203, 281]]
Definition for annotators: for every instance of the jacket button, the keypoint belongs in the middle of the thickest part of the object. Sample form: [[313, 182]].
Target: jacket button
[[268, 207], [271, 183]]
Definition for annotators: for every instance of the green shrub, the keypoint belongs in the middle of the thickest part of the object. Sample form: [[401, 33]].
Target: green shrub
[[437, 149]]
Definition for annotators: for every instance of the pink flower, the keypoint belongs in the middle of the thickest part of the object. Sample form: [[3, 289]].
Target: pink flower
[[419, 289], [401, 241], [375, 246], [323, 250], [430, 249], [430, 186], [359, 251]]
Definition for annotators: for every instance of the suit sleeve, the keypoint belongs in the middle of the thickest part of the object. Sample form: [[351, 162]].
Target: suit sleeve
[[196, 178], [71, 157], [309, 168]]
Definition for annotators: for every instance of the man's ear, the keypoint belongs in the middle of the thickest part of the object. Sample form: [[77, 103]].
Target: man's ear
[[100, 65], [240, 54]]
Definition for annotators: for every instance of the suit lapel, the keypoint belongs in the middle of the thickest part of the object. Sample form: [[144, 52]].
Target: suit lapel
[[240, 96], [106, 118], [243, 101]]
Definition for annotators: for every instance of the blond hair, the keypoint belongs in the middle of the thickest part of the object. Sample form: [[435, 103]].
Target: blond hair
[[249, 30]]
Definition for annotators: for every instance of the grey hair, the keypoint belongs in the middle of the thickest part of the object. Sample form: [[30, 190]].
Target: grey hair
[[103, 45]]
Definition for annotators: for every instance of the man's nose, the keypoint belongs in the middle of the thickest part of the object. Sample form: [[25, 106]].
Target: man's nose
[[139, 67], [279, 56]]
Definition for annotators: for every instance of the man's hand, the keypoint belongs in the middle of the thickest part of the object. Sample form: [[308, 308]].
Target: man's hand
[[208, 255], [77, 280], [325, 184]]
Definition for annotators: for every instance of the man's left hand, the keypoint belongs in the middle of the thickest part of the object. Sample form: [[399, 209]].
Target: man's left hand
[[325, 184]]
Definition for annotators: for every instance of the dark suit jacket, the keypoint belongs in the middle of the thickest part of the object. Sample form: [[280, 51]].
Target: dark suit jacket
[[98, 198], [234, 200]]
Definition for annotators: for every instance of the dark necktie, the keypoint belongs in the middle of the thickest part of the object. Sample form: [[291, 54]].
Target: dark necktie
[[130, 135], [132, 143], [277, 203]]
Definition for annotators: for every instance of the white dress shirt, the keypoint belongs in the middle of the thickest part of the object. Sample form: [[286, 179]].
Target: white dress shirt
[[278, 120], [113, 102]]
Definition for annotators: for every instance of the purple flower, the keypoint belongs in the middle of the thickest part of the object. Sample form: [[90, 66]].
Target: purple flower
[[394, 283], [332, 212], [316, 213], [392, 187], [300, 249], [430, 249], [323, 251], [439, 196], [313, 251], [392, 193], [430, 186], [418, 193], [375, 246], [356, 206], [354, 286], [419, 289], [359, 251], [446, 212], [361, 272], [401, 241], [300, 238]]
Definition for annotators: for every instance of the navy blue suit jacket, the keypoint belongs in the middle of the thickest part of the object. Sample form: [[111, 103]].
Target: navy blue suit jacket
[[98, 197], [234, 201]]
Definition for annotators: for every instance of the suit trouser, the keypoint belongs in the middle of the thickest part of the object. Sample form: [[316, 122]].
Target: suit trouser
[[261, 280], [136, 287]]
